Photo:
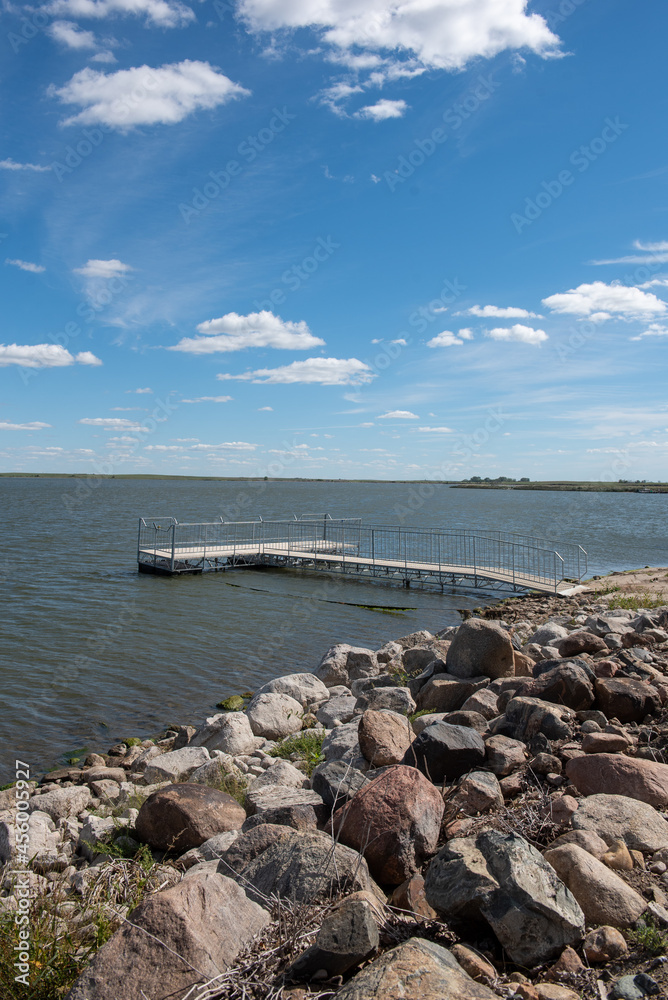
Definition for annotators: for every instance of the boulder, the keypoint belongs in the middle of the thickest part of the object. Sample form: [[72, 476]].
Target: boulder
[[615, 774], [471, 720], [619, 817], [581, 641], [480, 647], [394, 821], [417, 658], [414, 970], [477, 792], [566, 684], [337, 711], [393, 699], [523, 664], [175, 766], [445, 752], [342, 664], [230, 732], [605, 743], [44, 844], [422, 721], [384, 737], [247, 846], [62, 803], [505, 755], [342, 742], [182, 816], [605, 944], [603, 896], [626, 699], [336, 782], [548, 634], [274, 716], [484, 701], [348, 935], [211, 850], [410, 897], [271, 798], [500, 878], [446, 693], [102, 773], [306, 867], [586, 839], [177, 938], [529, 716], [305, 688]]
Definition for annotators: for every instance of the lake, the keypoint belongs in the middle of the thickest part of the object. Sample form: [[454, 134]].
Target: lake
[[93, 652]]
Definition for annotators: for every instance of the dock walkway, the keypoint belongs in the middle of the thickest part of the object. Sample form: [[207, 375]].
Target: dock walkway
[[433, 557]]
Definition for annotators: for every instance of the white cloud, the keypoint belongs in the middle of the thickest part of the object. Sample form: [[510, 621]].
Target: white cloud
[[382, 110], [139, 392], [225, 446], [653, 330], [161, 13], [112, 423], [145, 96], [367, 423], [103, 269], [13, 165], [72, 36], [445, 339], [519, 333], [465, 333], [655, 283], [656, 253], [439, 34], [34, 425], [43, 356], [400, 340], [436, 430], [265, 409], [398, 415], [500, 312], [208, 399], [235, 333], [25, 265], [322, 371], [599, 301]]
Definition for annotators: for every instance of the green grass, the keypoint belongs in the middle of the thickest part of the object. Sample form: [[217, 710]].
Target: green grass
[[633, 602], [308, 744], [234, 786], [132, 741], [416, 715], [649, 937]]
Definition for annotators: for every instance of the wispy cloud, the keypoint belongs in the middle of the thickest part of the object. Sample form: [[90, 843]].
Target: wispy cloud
[[651, 253], [160, 13], [34, 425], [321, 371], [13, 165], [436, 430], [112, 423], [399, 415], [208, 399], [25, 265], [500, 312]]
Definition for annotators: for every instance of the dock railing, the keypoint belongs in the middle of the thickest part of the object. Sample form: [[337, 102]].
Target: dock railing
[[172, 546]]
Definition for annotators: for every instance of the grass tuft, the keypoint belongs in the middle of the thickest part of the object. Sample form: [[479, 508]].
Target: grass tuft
[[308, 744], [649, 937], [633, 602]]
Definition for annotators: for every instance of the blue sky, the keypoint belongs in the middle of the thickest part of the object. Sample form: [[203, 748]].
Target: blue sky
[[371, 240]]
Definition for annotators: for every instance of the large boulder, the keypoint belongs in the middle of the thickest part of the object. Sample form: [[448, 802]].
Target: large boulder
[[502, 879], [342, 743], [342, 664], [348, 935], [230, 732], [505, 755], [305, 688], [306, 867], [339, 709], [414, 970], [177, 765], [182, 816], [248, 845], [444, 752], [274, 716], [45, 842], [548, 634], [529, 716], [174, 940], [481, 647], [394, 821], [477, 792], [384, 737], [446, 693], [615, 774], [279, 775], [604, 897], [62, 803], [336, 781], [581, 641], [620, 817], [568, 683], [626, 698]]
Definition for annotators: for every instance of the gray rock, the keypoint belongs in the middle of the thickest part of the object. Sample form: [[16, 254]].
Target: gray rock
[[230, 732], [397, 699], [177, 765], [502, 879], [305, 688], [446, 693], [339, 709], [423, 721], [635, 987], [484, 701], [176, 939], [44, 844], [477, 792], [444, 752], [505, 755], [248, 845], [547, 635], [95, 828], [274, 716], [336, 782], [529, 716], [268, 799], [211, 850], [344, 663], [341, 741], [63, 802], [367, 683], [616, 817], [416, 658], [348, 936], [481, 647]]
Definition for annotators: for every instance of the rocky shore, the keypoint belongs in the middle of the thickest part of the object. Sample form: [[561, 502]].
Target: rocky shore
[[473, 814]]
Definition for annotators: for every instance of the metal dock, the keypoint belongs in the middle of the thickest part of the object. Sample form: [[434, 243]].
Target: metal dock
[[437, 557]]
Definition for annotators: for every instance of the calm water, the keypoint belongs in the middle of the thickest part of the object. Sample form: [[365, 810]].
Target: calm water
[[93, 652]]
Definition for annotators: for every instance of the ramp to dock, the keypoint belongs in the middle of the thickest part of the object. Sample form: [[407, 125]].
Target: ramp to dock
[[438, 557]]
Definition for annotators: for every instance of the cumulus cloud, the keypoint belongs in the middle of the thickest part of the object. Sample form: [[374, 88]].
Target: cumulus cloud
[[437, 34], [382, 110], [112, 423], [143, 95], [13, 165], [322, 371], [653, 330], [500, 312], [599, 301], [160, 13], [43, 356], [208, 399], [72, 36], [25, 265], [399, 415], [103, 269], [518, 333], [436, 430], [447, 339], [233, 332], [656, 253], [34, 425]]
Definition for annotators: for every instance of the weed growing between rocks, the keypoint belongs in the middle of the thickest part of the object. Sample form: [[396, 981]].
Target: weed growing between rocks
[[650, 936], [633, 602], [307, 744]]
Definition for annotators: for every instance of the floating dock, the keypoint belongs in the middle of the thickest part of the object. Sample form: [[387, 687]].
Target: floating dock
[[435, 557]]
